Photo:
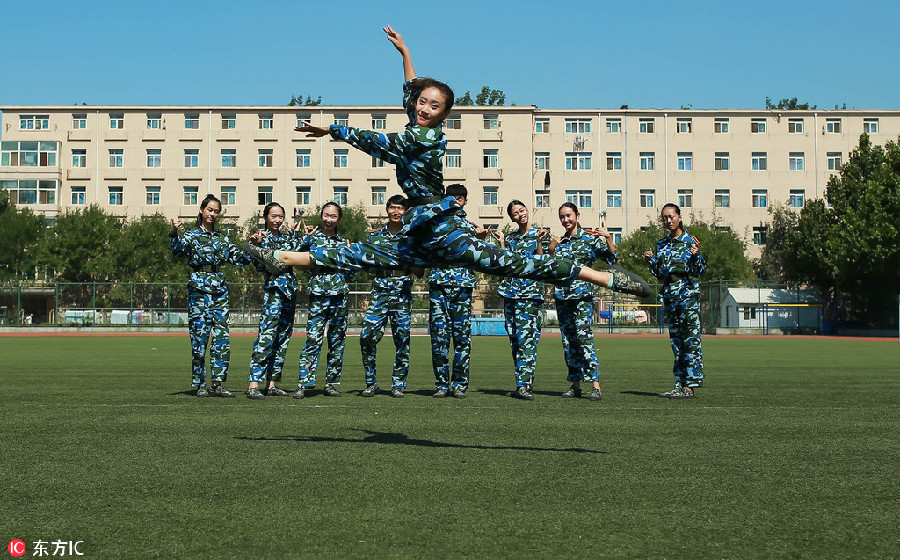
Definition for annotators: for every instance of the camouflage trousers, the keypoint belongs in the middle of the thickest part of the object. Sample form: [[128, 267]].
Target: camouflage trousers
[[683, 316], [523, 325], [576, 317], [446, 244], [208, 323], [450, 318], [384, 307], [330, 311], [276, 325]]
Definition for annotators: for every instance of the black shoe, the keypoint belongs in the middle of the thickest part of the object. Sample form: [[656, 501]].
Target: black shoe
[[275, 391], [255, 394], [300, 392], [220, 391], [628, 283], [202, 391], [441, 394], [397, 393], [596, 395], [523, 393], [330, 391], [572, 393], [265, 257], [370, 390]]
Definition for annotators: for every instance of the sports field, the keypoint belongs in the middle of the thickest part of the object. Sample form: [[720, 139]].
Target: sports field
[[791, 450]]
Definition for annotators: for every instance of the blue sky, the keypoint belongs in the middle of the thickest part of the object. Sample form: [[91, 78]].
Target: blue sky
[[551, 54]]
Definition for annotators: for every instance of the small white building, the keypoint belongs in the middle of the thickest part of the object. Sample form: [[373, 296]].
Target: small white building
[[760, 308]]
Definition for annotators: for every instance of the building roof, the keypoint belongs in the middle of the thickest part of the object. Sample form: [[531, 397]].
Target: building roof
[[770, 295]]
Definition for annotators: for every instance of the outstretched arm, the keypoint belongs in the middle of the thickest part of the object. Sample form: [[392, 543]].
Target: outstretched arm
[[397, 40]]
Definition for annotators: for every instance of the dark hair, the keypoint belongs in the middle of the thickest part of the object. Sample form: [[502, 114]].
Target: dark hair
[[512, 203], [569, 205], [424, 83], [397, 199], [671, 205], [336, 205], [209, 198], [269, 207], [455, 190]]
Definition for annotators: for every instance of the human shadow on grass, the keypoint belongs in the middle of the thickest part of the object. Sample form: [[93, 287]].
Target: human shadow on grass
[[639, 393], [188, 393], [391, 438]]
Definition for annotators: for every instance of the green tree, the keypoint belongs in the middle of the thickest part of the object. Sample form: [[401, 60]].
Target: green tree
[[77, 246], [487, 96], [788, 105], [21, 232], [297, 100], [142, 252], [775, 254]]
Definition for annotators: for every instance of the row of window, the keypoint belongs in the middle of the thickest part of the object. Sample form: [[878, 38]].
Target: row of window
[[685, 161], [759, 198], [28, 154]]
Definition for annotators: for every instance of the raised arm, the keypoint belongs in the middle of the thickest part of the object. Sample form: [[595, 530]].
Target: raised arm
[[397, 40]]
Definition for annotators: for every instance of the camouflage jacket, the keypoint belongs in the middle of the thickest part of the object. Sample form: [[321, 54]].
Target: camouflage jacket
[[202, 247], [584, 248], [521, 288], [456, 277], [286, 282], [395, 283], [324, 281], [674, 265], [418, 154]]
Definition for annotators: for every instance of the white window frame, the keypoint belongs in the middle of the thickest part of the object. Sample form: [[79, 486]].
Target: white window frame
[[722, 198], [685, 198], [154, 157], [453, 159], [580, 198], [490, 196], [759, 161], [613, 161], [648, 161], [795, 161], [760, 198], [191, 157], [647, 126], [683, 125], [341, 158], [379, 196], [116, 196], [491, 159], [757, 126], [229, 157], [720, 126], [542, 161], [304, 158], [229, 195], [795, 126], [542, 126], [613, 126], [265, 158], [152, 196], [340, 195], [79, 195], [614, 198], [117, 157], [578, 126], [685, 161], [648, 198]]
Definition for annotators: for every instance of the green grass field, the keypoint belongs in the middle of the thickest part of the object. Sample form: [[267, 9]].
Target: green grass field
[[791, 450]]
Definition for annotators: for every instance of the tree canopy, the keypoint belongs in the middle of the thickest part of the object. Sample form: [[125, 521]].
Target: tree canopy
[[487, 96], [789, 104]]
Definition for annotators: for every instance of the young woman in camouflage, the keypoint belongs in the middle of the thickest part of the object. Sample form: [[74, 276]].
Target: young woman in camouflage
[[676, 263], [434, 232], [276, 322], [523, 300], [575, 303], [207, 250]]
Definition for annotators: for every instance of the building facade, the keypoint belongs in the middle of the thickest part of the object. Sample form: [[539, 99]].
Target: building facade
[[618, 166]]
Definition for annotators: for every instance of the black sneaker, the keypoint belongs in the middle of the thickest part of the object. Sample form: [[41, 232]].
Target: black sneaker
[[300, 392], [596, 395], [202, 391], [330, 391], [523, 393], [572, 393], [628, 283], [255, 394], [370, 390], [397, 393], [265, 257], [459, 393], [220, 391], [441, 394], [275, 391]]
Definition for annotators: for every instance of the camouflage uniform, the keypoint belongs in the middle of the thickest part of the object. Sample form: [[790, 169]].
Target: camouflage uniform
[[450, 317], [328, 299], [674, 265], [575, 305], [523, 302], [434, 230], [391, 300], [207, 299], [276, 323]]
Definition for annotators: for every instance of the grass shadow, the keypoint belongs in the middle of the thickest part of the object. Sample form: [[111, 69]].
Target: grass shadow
[[639, 393]]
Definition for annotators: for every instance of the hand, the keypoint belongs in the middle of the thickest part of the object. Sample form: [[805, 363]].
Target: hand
[[648, 255], [175, 225], [543, 232], [395, 38], [309, 230], [257, 237], [498, 235], [481, 232], [312, 131], [602, 231]]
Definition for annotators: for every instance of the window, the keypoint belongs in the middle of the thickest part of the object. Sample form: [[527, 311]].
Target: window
[[263, 195], [154, 121], [191, 121], [542, 199], [614, 199], [685, 198], [750, 312], [795, 161], [581, 199], [229, 195], [795, 126], [79, 120], [31, 191], [340, 158], [341, 120], [683, 126], [115, 196], [647, 126], [542, 126], [265, 158], [154, 158], [34, 122], [303, 158], [542, 160], [760, 198], [758, 126], [491, 122], [578, 126], [685, 161], [28, 154], [453, 121], [379, 196], [834, 160], [647, 198], [758, 161], [340, 195], [870, 126], [613, 126], [79, 158], [152, 196], [116, 159], [578, 160], [229, 122], [454, 158], [722, 198], [303, 195], [377, 162], [720, 126], [190, 195], [266, 122], [759, 238], [78, 194], [490, 196], [192, 158], [647, 159], [379, 121], [832, 126], [229, 158], [491, 158], [797, 198], [614, 161], [303, 117], [722, 161], [616, 233]]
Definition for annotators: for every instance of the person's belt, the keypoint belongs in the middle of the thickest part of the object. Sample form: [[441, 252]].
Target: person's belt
[[205, 268], [423, 200]]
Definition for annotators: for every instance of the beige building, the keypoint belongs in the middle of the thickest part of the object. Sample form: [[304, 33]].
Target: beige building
[[618, 166]]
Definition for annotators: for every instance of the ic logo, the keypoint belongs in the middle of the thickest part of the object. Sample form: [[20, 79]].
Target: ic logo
[[16, 547]]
